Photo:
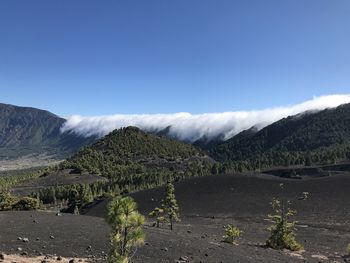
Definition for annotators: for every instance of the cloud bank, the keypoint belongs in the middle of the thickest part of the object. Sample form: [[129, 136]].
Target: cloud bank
[[190, 127]]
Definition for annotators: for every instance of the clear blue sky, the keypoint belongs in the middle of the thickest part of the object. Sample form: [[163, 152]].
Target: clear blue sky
[[159, 56]]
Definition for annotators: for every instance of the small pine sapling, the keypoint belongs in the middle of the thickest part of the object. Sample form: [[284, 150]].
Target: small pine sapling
[[158, 214], [170, 206], [282, 230], [231, 235]]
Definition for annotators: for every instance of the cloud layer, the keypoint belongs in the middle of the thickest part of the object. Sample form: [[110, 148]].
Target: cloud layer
[[190, 127]]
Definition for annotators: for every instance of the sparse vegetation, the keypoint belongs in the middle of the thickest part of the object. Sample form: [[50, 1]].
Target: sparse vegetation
[[231, 235], [283, 229], [169, 210], [127, 233], [9, 179]]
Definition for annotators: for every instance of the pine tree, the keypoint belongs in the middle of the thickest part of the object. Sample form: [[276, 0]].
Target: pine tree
[[127, 233], [85, 195], [169, 204], [157, 213], [73, 200]]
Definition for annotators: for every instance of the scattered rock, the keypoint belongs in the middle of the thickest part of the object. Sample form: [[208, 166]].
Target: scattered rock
[[58, 214], [319, 257], [182, 259], [19, 249], [25, 240], [52, 237], [165, 249], [2, 256], [59, 258], [71, 261], [296, 255]]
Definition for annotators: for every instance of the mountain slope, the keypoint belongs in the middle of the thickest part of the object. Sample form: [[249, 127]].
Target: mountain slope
[[25, 130], [323, 131], [129, 156]]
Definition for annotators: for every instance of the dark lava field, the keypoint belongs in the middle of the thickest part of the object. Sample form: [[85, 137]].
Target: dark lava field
[[206, 205]]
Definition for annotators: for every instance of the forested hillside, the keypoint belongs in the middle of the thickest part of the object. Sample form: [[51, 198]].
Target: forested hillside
[[130, 156], [310, 137]]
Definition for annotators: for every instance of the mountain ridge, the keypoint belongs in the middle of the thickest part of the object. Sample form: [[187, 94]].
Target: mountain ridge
[[27, 130], [326, 130]]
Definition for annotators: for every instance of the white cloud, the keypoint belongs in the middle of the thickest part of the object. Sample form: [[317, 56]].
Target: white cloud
[[190, 127]]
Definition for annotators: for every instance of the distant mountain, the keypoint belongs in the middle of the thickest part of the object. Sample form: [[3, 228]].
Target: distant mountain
[[325, 133], [319, 136], [129, 156], [25, 130]]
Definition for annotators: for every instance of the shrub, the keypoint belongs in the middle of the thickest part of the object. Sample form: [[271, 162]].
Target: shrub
[[348, 249], [282, 230], [232, 233], [27, 203], [7, 201]]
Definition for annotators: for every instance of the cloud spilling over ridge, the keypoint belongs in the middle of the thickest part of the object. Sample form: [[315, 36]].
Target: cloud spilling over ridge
[[190, 127]]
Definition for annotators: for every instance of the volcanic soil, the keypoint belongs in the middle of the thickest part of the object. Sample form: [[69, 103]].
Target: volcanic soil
[[207, 204]]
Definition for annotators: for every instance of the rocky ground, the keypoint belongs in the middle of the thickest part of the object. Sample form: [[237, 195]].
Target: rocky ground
[[47, 259], [207, 204]]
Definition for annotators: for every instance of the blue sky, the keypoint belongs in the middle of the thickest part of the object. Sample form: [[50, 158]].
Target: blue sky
[[156, 56]]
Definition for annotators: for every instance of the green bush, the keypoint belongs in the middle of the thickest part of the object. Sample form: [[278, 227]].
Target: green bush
[[283, 229], [232, 233], [26, 203], [7, 201]]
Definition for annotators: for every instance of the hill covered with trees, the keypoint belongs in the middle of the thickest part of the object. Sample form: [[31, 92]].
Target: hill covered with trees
[[321, 137], [129, 156]]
